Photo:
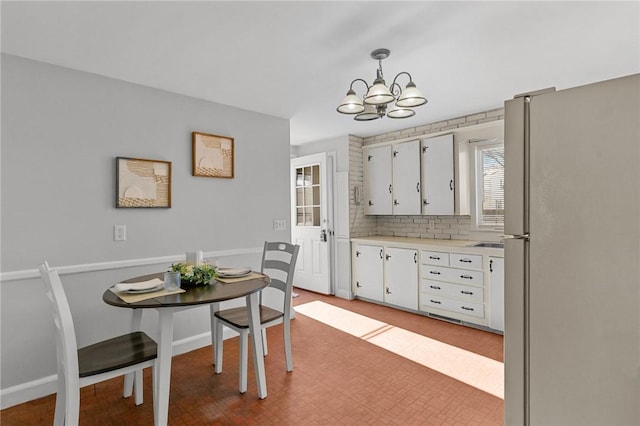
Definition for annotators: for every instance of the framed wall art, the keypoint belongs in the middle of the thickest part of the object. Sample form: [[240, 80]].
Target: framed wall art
[[212, 155], [143, 183]]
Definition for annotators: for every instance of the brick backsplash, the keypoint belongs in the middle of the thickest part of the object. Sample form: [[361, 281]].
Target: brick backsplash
[[441, 227]]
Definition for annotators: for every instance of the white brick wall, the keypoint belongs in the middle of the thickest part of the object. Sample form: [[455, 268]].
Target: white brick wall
[[445, 227]]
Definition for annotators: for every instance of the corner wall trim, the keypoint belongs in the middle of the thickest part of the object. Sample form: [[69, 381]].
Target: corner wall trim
[[118, 264]]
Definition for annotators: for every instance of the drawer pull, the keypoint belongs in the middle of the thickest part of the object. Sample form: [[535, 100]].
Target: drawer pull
[[437, 302], [466, 292], [466, 277], [467, 309], [435, 287], [434, 257], [465, 260], [434, 272]]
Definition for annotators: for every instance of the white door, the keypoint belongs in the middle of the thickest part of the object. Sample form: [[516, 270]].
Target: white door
[[437, 175], [377, 180], [406, 178], [402, 277], [311, 222]]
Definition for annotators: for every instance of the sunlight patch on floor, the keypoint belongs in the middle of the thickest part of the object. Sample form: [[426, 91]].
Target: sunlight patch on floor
[[468, 367]]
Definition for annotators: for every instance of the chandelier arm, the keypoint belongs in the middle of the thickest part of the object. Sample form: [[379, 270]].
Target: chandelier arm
[[359, 79], [398, 75]]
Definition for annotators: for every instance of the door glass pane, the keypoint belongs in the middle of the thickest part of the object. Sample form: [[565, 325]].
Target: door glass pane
[[308, 195]]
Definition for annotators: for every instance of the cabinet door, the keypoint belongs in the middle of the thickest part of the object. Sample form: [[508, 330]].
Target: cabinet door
[[377, 180], [406, 178], [369, 272], [496, 289], [401, 268], [437, 176]]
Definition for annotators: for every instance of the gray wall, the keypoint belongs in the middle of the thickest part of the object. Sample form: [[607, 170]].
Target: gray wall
[[61, 130]]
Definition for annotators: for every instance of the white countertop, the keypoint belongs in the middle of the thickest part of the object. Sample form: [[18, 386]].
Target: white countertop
[[462, 245]]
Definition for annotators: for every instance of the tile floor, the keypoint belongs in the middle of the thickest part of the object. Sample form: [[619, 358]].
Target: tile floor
[[338, 379]]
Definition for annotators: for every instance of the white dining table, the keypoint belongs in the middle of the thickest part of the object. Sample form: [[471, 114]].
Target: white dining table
[[193, 297]]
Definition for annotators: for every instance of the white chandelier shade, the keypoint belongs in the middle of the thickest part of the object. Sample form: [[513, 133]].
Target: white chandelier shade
[[378, 96]]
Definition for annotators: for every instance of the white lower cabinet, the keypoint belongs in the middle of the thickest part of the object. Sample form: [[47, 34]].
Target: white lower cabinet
[[401, 277], [462, 284], [496, 285], [368, 272]]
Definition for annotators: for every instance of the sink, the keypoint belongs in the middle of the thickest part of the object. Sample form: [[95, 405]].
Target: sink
[[488, 244]]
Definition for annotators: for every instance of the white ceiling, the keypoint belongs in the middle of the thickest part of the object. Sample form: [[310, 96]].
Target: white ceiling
[[296, 59]]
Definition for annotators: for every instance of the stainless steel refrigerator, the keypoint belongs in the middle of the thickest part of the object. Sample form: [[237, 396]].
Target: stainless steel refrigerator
[[572, 255]]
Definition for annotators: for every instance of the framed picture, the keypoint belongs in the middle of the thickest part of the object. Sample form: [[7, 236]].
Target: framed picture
[[143, 183], [212, 155]]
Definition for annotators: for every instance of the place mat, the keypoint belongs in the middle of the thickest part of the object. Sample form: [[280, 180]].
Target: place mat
[[251, 276], [133, 298]]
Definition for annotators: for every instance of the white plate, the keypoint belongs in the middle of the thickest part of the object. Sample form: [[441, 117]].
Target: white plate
[[145, 290], [234, 276], [233, 272]]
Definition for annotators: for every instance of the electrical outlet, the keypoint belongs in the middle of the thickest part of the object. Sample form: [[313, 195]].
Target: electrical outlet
[[119, 232], [279, 224]]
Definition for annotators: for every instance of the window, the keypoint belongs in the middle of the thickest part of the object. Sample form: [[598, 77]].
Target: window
[[489, 175], [308, 195]]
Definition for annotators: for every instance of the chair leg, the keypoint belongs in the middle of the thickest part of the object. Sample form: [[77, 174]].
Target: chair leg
[[58, 419], [72, 404], [218, 352], [264, 342], [287, 345], [244, 359], [138, 387], [128, 385]]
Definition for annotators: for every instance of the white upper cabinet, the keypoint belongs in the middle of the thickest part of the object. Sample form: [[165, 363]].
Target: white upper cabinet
[[392, 179], [406, 178], [377, 178], [437, 176]]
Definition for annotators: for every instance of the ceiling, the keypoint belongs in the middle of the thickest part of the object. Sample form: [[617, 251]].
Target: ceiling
[[295, 60]]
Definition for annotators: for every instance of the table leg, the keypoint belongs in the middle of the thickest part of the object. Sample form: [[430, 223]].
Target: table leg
[[136, 324], [256, 342], [163, 367]]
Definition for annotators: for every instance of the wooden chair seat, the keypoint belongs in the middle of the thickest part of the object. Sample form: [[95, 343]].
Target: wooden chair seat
[[239, 318], [116, 353]]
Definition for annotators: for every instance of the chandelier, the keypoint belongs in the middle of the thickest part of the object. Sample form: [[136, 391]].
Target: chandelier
[[379, 96]]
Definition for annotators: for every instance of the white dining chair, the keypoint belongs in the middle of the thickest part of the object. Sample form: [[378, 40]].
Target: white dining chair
[[101, 361], [278, 262]]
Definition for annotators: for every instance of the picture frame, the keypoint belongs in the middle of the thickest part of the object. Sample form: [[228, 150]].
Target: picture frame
[[213, 155], [142, 183]]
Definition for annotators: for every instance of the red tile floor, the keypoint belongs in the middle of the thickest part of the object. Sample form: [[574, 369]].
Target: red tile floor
[[338, 379]]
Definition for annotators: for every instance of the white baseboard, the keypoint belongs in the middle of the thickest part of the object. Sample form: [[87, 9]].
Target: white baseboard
[[44, 386]]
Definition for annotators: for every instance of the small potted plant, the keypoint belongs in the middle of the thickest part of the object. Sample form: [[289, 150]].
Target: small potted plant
[[192, 275]]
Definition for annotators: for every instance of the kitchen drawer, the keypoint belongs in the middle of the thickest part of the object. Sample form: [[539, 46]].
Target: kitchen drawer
[[454, 275], [435, 258], [458, 306], [463, 292], [466, 261]]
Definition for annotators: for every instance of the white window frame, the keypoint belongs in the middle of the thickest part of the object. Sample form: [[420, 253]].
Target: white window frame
[[476, 183]]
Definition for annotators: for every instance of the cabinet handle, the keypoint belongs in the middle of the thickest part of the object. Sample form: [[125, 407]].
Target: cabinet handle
[[435, 287], [395, 202], [451, 184], [389, 189], [358, 284], [388, 291], [465, 260], [418, 187], [358, 254], [415, 257], [434, 272], [388, 256], [466, 277], [467, 309], [466, 292], [437, 302], [434, 257], [491, 265], [380, 253]]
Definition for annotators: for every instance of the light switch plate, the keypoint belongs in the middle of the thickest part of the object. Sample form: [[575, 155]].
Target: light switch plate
[[279, 224]]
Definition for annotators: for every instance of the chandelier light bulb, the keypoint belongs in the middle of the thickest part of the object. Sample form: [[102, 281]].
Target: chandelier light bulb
[[351, 104], [411, 97]]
